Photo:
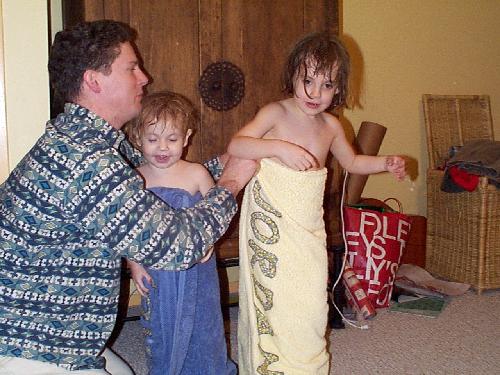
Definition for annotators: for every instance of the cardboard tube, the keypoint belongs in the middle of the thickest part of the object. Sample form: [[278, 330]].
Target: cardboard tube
[[368, 141]]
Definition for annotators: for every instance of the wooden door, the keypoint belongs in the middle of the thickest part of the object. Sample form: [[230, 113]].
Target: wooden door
[[178, 39]]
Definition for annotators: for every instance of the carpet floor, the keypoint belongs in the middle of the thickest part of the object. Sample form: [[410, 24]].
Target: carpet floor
[[463, 339]]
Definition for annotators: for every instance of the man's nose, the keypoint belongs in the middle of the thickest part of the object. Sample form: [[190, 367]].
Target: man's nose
[[142, 78]]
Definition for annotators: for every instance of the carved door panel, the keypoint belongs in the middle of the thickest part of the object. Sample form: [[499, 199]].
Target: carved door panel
[[179, 39]]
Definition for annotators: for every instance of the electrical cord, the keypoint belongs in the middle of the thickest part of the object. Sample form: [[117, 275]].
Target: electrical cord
[[348, 321]]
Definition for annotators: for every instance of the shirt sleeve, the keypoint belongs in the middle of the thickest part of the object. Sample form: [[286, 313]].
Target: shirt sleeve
[[215, 167], [131, 154], [134, 223]]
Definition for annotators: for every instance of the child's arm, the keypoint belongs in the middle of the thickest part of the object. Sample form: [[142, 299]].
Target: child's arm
[[248, 143], [139, 273], [205, 180], [364, 164]]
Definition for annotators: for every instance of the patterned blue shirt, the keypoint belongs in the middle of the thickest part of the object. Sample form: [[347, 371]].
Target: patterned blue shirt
[[68, 213]]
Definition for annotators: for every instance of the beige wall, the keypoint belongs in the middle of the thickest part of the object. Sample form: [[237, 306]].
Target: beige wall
[[25, 49], [405, 48], [4, 155]]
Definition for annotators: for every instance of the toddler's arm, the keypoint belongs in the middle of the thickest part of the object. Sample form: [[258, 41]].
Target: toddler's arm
[[248, 143], [139, 273], [364, 164]]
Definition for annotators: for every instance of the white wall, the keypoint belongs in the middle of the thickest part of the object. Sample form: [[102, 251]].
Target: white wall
[[4, 155], [25, 47]]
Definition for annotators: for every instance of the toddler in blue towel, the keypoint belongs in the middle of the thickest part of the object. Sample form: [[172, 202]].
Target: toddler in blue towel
[[183, 318]]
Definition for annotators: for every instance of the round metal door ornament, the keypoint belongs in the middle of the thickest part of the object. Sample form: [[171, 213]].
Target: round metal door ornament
[[222, 85]]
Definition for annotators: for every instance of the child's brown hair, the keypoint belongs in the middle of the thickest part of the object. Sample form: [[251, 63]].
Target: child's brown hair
[[162, 107], [327, 53]]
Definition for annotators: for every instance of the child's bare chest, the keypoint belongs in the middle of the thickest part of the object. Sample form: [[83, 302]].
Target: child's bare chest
[[315, 138]]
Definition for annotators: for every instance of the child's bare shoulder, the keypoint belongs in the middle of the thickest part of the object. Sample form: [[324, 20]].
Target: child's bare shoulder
[[201, 177], [274, 109], [197, 171], [194, 168], [332, 122]]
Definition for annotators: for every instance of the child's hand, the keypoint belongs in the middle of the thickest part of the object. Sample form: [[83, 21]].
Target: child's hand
[[296, 157], [207, 255], [397, 166], [138, 275]]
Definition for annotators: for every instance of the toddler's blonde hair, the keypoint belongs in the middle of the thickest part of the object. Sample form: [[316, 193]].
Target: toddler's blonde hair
[[158, 109]]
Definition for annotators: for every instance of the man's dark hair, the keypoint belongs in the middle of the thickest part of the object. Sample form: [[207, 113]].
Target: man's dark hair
[[87, 45], [328, 54]]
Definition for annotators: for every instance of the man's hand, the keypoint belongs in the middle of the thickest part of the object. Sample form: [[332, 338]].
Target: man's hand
[[237, 172]]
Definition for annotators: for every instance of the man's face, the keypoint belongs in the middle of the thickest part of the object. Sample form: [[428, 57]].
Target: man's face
[[122, 89]]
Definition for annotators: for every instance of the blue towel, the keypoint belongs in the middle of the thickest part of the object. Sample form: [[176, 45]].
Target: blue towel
[[183, 315]]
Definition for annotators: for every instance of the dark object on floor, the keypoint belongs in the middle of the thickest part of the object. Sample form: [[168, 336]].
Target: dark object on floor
[[424, 306], [337, 295], [123, 315]]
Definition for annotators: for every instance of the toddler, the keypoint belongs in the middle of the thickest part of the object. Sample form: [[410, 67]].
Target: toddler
[[183, 319]]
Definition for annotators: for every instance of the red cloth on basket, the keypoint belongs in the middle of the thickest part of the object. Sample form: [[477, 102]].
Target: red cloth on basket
[[463, 178]]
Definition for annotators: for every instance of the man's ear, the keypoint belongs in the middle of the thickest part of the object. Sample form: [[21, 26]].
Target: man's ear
[[186, 138], [91, 81]]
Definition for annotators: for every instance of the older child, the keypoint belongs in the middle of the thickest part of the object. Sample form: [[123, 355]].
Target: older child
[[283, 261], [183, 319]]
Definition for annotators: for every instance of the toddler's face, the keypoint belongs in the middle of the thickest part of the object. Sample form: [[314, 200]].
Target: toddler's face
[[314, 92], [162, 144]]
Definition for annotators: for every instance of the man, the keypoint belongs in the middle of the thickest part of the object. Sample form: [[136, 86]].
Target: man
[[74, 206]]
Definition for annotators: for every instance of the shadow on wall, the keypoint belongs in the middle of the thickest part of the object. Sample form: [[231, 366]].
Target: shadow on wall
[[356, 80]]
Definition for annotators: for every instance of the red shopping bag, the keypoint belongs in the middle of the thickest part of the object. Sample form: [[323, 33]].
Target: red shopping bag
[[376, 238]]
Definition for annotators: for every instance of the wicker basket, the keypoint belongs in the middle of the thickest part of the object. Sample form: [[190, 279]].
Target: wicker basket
[[463, 239]]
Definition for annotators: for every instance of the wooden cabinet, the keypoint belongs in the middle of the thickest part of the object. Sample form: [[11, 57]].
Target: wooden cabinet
[[178, 39]]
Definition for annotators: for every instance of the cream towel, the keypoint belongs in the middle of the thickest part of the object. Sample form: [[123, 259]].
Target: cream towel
[[283, 273]]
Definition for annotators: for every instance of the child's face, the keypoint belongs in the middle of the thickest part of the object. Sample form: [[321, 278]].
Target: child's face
[[162, 144], [314, 94]]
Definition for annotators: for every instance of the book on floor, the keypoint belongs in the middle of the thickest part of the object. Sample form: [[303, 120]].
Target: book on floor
[[425, 306]]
